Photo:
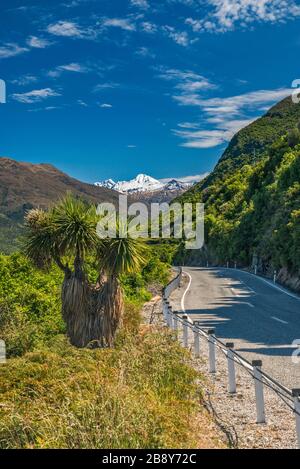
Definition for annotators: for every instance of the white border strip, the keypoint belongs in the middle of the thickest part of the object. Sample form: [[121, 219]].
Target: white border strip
[[187, 289]]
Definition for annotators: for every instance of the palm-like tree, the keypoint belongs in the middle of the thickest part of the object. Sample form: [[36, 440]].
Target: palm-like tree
[[121, 255], [66, 234]]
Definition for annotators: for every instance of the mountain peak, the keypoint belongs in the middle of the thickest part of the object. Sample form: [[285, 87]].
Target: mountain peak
[[142, 183]]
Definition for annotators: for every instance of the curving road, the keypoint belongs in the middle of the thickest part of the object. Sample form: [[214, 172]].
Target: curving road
[[261, 319]]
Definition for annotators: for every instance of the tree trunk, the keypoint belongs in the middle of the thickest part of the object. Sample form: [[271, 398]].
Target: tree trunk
[[110, 300], [92, 314]]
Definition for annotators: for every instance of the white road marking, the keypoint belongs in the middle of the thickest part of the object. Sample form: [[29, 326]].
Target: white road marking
[[278, 320], [268, 282], [187, 289]]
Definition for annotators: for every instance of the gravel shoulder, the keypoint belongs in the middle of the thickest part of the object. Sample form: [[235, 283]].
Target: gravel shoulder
[[236, 414]]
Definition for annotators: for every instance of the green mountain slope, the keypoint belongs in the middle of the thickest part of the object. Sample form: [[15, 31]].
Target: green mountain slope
[[252, 203]]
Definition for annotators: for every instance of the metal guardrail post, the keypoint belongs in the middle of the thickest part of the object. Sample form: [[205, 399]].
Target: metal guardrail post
[[212, 351], [296, 396], [185, 331], [170, 322], [275, 276], [166, 312], [175, 321], [231, 368], [255, 270], [2, 352], [259, 392], [164, 308], [196, 339]]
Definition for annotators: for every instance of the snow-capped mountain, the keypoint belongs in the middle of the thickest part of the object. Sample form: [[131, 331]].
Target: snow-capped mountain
[[175, 185], [144, 183]]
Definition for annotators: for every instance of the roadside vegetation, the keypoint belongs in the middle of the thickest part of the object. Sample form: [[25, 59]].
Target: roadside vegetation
[[252, 214], [141, 392]]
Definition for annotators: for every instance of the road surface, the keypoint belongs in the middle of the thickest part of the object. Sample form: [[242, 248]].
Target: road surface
[[262, 320]]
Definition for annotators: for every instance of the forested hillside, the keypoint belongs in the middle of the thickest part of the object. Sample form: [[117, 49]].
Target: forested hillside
[[253, 205]]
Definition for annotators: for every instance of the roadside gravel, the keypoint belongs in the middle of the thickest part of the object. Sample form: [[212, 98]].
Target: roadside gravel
[[235, 414]]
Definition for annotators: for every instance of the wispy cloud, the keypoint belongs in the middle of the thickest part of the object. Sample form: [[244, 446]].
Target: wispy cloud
[[123, 23], [226, 15], [106, 106], [105, 86], [35, 96], [209, 138], [25, 80], [186, 81], [148, 27], [72, 67], [38, 42], [233, 104], [11, 50], [71, 29], [187, 179], [221, 117], [143, 4], [180, 37], [145, 52]]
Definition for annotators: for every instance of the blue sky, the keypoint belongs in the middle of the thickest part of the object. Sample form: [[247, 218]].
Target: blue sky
[[111, 88]]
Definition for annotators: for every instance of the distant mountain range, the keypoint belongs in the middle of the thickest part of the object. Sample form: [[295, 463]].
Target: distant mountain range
[[24, 186], [144, 183]]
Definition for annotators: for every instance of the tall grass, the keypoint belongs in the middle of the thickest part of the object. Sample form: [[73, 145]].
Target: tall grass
[[141, 394]]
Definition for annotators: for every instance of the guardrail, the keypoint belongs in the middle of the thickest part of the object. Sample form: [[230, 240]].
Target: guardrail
[[174, 320]]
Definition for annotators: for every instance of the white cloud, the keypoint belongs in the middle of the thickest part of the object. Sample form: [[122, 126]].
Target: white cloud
[[187, 179], [227, 115], [35, 95], [11, 50], [123, 23], [72, 67], [185, 81], [209, 138], [106, 86], [233, 104], [224, 114], [105, 106], [149, 27], [37, 42], [67, 29], [143, 4], [145, 52], [82, 103], [225, 15], [25, 80], [180, 37]]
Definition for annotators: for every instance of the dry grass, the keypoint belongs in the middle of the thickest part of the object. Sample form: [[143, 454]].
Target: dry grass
[[142, 394]]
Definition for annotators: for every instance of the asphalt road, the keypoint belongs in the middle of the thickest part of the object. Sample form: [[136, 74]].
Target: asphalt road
[[262, 320]]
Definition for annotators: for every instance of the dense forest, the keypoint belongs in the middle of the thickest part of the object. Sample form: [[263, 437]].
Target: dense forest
[[252, 199]]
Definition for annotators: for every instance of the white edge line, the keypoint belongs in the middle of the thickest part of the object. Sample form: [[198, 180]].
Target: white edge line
[[187, 289], [265, 281]]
